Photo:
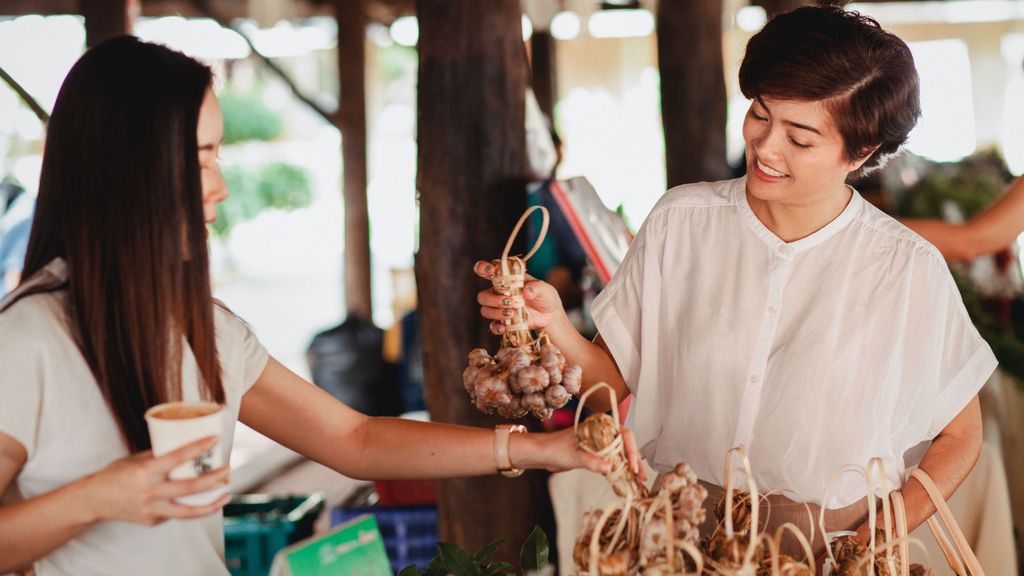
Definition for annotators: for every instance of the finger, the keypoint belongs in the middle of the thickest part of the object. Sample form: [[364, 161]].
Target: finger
[[484, 269], [171, 509], [172, 459], [176, 488], [596, 464], [499, 314], [497, 328], [492, 299], [633, 454]]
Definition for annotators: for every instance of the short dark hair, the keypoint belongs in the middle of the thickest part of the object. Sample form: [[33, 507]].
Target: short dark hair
[[865, 76]]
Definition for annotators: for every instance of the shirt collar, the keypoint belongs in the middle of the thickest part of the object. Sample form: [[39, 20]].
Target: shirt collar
[[853, 207]]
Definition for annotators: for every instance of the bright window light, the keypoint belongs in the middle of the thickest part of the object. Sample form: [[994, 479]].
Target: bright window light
[[751, 18], [406, 31], [527, 28], [621, 23], [949, 12], [1013, 114], [945, 132], [565, 25], [200, 38]]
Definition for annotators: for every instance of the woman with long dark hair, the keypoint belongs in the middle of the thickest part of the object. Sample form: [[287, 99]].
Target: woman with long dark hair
[[114, 315], [782, 312]]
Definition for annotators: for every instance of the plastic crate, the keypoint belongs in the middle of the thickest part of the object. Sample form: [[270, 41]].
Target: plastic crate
[[256, 526], [410, 533]]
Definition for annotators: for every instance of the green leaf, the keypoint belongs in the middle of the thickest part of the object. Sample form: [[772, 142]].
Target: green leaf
[[435, 568], [409, 570], [499, 568], [487, 550], [457, 561], [534, 554]]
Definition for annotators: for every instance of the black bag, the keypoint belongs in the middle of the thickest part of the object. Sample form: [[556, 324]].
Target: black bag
[[347, 362]]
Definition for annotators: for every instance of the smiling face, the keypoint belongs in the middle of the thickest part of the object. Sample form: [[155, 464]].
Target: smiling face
[[795, 153], [210, 136]]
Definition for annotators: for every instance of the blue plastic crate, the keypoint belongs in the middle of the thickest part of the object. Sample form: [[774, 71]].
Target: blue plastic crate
[[256, 526], [410, 534]]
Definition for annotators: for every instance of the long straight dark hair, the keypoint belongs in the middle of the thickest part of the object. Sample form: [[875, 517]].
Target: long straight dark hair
[[120, 201]]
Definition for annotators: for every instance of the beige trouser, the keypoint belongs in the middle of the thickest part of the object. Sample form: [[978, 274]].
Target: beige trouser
[[779, 510]]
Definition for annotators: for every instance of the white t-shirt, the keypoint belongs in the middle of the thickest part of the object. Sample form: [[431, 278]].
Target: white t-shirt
[[848, 344], [51, 404]]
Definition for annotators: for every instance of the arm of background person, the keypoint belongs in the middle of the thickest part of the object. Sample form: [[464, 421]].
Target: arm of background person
[[991, 230]]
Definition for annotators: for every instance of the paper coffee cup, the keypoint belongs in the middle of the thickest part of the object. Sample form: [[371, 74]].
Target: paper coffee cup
[[175, 424]]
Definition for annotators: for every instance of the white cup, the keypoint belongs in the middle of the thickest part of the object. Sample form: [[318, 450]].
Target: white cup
[[174, 424]]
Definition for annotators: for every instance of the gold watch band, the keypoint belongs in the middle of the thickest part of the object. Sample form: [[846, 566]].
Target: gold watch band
[[502, 460]]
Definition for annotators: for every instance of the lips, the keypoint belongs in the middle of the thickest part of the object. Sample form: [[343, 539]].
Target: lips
[[766, 173]]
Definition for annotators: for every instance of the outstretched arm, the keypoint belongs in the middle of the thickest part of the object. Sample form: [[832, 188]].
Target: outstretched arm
[[989, 231], [290, 410]]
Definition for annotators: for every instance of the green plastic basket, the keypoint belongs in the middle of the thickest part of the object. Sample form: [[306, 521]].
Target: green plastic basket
[[256, 526]]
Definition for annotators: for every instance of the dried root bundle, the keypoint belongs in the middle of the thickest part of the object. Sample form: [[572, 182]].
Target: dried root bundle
[[644, 533], [526, 375]]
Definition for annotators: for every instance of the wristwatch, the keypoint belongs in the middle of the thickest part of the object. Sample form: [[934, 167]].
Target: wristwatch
[[501, 455]]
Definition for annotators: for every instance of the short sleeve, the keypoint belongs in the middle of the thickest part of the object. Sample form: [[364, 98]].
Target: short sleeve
[[21, 384], [618, 309], [946, 361], [249, 356]]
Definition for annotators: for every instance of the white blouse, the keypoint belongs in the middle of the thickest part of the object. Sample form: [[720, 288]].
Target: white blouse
[[50, 404], [845, 345]]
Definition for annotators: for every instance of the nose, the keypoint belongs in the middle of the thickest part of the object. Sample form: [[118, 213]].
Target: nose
[[767, 143]]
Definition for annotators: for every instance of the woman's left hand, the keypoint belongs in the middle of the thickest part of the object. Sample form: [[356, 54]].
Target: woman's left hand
[[557, 451]]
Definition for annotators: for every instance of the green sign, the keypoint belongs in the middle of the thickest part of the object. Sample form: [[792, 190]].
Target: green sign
[[354, 549]]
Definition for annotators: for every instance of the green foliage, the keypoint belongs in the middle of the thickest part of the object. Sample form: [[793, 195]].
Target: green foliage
[[276, 185], [246, 117], [455, 561], [972, 185]]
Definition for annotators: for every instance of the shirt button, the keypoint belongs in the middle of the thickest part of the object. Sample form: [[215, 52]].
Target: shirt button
[[755, 379], [772, 310]]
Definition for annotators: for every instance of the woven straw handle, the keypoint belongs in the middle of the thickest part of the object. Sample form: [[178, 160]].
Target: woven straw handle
[[962, 548]]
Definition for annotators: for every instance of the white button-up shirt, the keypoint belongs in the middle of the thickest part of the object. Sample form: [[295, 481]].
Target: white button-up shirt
[[845, 345]]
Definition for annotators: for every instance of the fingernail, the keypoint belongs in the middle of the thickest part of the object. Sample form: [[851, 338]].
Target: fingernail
[[528, 290], [488, 269], [506, 313], [636, 467], [506, 302]]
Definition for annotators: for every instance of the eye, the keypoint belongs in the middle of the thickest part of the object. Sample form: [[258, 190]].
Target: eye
[[757, 116], [798, 144]]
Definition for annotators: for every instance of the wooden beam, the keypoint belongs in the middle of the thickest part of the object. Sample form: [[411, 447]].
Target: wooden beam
[[27, 98], [351, 16], [692, 90], [107, 18], [471, 165]]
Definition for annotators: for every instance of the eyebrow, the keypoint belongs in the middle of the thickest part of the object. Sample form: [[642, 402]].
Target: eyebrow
[[791, 123], [211, 145]]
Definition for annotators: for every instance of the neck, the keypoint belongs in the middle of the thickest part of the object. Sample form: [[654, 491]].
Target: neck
[[791, 221]]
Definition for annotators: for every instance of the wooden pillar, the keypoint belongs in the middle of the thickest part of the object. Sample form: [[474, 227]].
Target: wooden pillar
[[544, 71], [471, 158], [351, 120], [107, 18], [693, 100]]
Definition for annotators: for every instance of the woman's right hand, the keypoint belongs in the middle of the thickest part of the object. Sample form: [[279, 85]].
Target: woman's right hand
[[541, 300], [138, 489]]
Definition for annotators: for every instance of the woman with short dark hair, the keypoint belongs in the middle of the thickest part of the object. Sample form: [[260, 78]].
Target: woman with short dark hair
[[114, 315], [782, 312]]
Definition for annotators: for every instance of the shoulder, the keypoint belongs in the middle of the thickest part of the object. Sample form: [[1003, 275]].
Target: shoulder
[[34, 319], [699, 195], [901, 240]]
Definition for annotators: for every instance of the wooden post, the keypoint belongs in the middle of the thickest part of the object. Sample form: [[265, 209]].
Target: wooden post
[[544, 71], [107, 18], [351, 16], [472, 158], [693, 96]]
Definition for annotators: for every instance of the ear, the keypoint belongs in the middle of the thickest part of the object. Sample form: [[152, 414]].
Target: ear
[[856, 164]]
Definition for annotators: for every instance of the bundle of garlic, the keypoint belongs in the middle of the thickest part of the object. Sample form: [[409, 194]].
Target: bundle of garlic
[[526, 375], [644, 533]]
